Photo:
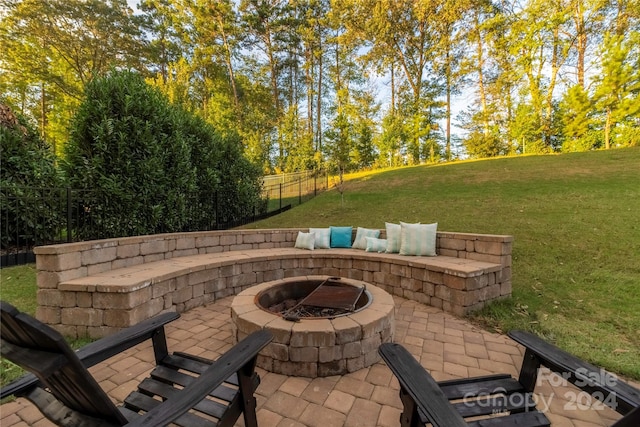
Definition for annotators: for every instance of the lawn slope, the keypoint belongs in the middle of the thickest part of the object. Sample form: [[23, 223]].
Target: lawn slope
[[576, 223]]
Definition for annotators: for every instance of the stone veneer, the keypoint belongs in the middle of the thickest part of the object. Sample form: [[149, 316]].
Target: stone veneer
[[316, 347], [95, 288]]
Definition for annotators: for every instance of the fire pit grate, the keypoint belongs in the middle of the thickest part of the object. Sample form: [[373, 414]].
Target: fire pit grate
[[330, 298], [333, 294]]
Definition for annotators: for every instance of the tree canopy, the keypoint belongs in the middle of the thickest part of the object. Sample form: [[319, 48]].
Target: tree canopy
[[287, 76]]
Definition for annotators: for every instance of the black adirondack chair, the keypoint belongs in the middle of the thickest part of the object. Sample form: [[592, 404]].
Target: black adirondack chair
[[181, 390], [500, 400]]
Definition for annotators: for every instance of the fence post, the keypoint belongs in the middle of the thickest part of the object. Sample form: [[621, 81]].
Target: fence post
[[280, 197], [69, 220], [217, 211], [300, 191]]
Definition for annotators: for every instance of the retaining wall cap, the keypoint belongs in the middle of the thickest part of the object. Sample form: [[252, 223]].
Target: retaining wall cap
[[80, 246], [135, 277]]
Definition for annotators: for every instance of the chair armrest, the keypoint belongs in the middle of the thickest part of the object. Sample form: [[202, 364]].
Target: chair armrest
[[240, 357], [420, 386], [632, 419], [601, 384], [102, 349]]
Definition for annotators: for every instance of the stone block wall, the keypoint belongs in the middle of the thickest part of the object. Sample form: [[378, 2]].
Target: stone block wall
[[95, 288]]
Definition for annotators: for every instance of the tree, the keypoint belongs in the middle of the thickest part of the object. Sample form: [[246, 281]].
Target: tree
[[163, 47], [402, 34], [63, 45], [618, 86], [313, 34], [444, 17], [265, 24], [541, 50], [392, 141], [338, 148], [577, 119]]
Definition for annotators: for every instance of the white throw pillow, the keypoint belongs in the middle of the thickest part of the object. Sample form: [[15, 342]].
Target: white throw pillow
[[375, 244], [418, 239], [323, 237], [305, 240], [361, 234]]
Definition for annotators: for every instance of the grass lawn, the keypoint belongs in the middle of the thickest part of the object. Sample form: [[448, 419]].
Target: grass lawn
[[576, 254], [576, 223], [18, 286]]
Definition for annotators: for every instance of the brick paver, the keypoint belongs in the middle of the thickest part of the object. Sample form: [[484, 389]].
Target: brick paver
[[449, 347]]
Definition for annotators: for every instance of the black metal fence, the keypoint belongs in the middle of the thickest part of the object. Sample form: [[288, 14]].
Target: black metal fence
[[293, 189], [41, 216]]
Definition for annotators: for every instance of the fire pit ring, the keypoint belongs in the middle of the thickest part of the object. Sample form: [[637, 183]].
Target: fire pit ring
[[317, 346]]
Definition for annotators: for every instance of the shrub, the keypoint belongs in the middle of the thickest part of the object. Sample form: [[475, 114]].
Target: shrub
[[27, 177], [154, 166]]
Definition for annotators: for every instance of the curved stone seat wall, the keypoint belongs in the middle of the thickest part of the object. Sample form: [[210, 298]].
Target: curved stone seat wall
[[95, 288]]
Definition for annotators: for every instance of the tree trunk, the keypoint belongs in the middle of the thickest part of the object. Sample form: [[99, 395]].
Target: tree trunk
[[581, 41], [393, 90], [555, 68], [319, 98], [309, 81], [43, 112], [448, 101], [607, 129], [481, 87], [227, 57]]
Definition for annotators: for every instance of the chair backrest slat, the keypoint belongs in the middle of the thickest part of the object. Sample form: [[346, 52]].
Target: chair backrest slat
[[42, 350]]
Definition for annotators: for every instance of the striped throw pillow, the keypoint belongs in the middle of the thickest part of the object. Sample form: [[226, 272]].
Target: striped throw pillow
[[376, 245], [418, 239], [323, 237], [393, 237], [361, 234]]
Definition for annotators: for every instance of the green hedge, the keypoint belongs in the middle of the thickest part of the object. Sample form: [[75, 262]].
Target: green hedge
[[156, 167], [28, 170]]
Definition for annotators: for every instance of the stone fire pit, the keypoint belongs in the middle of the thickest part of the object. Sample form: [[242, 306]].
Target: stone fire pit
[[315, 346]]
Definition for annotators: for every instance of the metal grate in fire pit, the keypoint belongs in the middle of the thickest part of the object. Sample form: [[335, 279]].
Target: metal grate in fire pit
[[329, 299], [333, 294]]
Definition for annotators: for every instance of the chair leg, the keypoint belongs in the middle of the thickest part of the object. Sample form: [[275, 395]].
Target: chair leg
[[247, 389], [409, 416], [529, 371]]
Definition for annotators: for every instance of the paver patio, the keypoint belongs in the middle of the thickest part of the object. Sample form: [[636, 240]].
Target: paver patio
[[447, 346]]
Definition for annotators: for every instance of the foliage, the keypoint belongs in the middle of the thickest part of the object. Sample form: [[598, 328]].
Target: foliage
[[481, 145], [579, 127], [338, 148], [155, 167], [51, 49], [278, 73], [619, 86], [28, 169], [392, 141]]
